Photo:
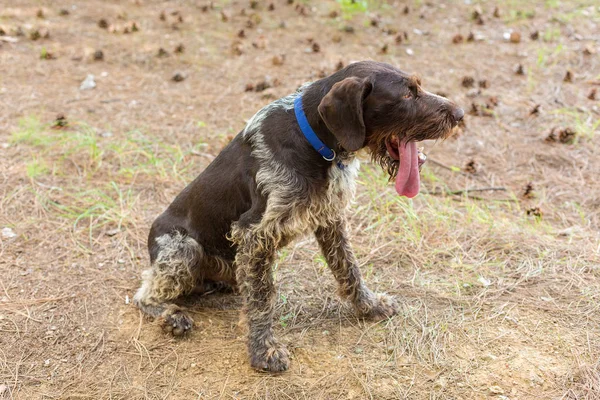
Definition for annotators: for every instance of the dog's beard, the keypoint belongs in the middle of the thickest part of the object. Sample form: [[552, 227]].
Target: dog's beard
[[441, 129], [380, 155]]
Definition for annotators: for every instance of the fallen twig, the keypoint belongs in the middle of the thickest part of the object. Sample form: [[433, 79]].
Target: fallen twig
[[467, 191]]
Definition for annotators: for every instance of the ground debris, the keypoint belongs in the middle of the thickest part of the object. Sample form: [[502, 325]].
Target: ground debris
[[535, 35], [88, 83], [178, 77], [535, 212], [520, 70], [278, 59], [528, 191], [564, 136], [8, 233], [162, 53], [471, 167], [496, 390], [468, 81], [568, 76], [60, 122], [535, 110]]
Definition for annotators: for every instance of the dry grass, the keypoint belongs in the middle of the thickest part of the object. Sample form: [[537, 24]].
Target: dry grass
[[496, 302]]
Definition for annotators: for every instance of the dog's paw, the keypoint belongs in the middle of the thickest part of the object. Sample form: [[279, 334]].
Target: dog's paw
[[272, 358], [382, 306], [177, 323]]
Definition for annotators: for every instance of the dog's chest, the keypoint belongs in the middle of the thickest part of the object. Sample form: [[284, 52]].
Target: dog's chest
[[342, 181], [340, 189]]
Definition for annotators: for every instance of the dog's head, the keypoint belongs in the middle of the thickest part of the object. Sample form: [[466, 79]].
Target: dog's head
[[377, 106]]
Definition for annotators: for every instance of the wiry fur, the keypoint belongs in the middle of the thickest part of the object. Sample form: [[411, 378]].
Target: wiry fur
[[269, 186]]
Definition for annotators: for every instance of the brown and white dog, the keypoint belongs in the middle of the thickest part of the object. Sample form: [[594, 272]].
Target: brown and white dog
[[270, 185]]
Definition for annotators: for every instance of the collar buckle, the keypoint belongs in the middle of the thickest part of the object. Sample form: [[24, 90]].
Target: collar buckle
[[332, 157]]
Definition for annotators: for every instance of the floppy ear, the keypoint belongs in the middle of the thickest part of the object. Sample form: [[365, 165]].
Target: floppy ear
[[342, 111]]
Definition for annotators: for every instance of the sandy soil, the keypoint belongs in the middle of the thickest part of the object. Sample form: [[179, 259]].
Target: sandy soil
[[499, 286]]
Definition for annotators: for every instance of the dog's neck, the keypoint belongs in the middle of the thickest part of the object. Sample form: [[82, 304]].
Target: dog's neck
[[311, 98]]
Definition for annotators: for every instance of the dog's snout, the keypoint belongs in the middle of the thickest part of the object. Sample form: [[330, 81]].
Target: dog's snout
[[458, 114]]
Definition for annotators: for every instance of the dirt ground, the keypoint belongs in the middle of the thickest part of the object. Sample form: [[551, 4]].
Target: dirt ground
[[499, 287]]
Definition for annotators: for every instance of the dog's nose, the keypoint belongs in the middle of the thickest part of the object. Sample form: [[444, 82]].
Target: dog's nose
[[458, 115]]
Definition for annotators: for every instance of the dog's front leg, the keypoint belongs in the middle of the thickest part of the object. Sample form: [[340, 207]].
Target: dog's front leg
[[255, 255], [334, 242]]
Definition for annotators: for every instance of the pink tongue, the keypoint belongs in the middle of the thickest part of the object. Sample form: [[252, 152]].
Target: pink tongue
[[408, 180]]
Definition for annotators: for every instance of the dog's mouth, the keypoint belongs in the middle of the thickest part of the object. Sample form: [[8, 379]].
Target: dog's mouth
[[410, 159]]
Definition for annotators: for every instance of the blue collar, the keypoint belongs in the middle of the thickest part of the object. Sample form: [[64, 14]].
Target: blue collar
[[310, 135]]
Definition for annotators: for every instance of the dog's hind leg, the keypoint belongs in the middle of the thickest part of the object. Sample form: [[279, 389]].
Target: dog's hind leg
[[335, 246], [171, 275]]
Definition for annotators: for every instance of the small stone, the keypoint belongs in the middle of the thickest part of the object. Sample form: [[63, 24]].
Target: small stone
[[349, 29], [112, 232], [98, 55], [63, 12], [496, 12], [180, 48], [3, 389], [40, 13], [568, 77], [515, 37], [315, 47], [103, 24], [88, 83], [484, 281], [8, 233], [410, 52], [496, 390], [592, 94]]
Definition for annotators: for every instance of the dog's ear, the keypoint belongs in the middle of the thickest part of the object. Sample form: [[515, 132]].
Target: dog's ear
[[342, 111]]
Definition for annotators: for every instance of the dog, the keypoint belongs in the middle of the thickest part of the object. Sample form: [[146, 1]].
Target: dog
[[290, 171]]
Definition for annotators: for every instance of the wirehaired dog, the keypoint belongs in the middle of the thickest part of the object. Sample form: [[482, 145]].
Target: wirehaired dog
[[291, 171]]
